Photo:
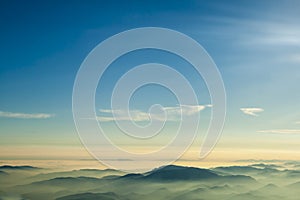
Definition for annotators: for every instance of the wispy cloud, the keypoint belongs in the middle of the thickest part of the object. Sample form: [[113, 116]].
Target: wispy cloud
[[271, 32], [173, 113], [281, 131], [184, 109], [298, 122], [251, 111], [280, 37], [25, 115], [121, 115], [278, 34]]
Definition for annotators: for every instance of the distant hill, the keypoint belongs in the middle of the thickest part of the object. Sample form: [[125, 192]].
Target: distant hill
[[169, 173], [92, 196], [262, 165], [238, 169], [67, 181], [268, 189], [245, 196], [168, 182], [294, 185], [96, 173], [3, 173], [291, 173], [132, 176], [24, 167], [244, 170], [173, 173]]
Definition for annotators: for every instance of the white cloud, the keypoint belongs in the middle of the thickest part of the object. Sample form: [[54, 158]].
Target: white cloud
[[281, 131], [184, 109], [25, 115], [298, 122], [121, 115], [105, 111], [173, 114], [251, 111]]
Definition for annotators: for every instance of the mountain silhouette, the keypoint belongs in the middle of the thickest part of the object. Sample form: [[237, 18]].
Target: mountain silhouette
[[90, 196], [173, 173], [246, 170], [24, 167], [168, 182], [96, 173], [3, 173], [68, 181], [295, 186]]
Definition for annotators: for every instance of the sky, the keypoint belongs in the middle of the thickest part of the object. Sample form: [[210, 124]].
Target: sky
[[255, 45]]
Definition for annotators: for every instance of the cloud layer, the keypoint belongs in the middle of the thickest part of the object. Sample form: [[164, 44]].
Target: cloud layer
[[25, 115], [172, 113], [251, 111], [281, 131]]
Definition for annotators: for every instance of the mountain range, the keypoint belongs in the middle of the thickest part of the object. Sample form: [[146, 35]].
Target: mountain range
[[259, 181]]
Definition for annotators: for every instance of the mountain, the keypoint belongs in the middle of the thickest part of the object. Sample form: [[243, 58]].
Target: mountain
[[96, 173], [268, 189], [291, 173], [60, 186], [3, 173], [92, 196], [167, 173], [132, 176], [67, 181], [175, 173], [180, 173], [24, 167], [245, 196], [168, 182], [295, 186], [262, 165], [237, 169], [245, 170]]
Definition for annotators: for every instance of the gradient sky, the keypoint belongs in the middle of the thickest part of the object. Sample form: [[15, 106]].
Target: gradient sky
[[255, 44]]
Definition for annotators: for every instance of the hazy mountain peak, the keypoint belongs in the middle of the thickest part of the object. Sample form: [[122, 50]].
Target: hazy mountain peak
[[2, 172], [22, 167], [174, 172], [89, 196]]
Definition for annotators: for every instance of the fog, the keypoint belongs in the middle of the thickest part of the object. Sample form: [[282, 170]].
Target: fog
[[257, 181]]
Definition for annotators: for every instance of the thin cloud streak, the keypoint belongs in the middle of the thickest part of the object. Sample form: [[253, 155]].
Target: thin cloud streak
[[172, 114], [251, 111], [267, 34], [25, 115], [271, 32], [281, 131]]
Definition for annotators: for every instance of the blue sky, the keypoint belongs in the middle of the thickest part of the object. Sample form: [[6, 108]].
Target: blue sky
[[255, 44]]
